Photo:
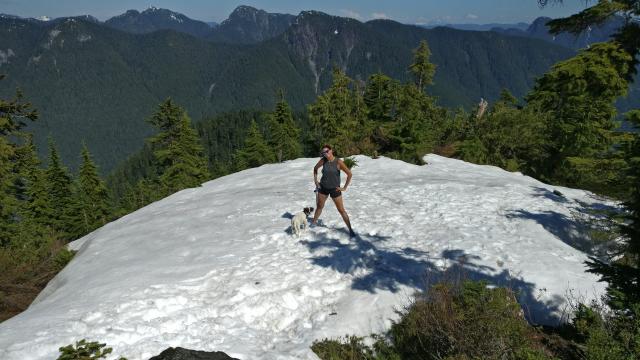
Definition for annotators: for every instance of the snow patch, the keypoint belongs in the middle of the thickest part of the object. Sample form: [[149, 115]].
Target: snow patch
[[43, 18], [52, 36], [5, 55], [175, 18], [84, 37], [215, 268]]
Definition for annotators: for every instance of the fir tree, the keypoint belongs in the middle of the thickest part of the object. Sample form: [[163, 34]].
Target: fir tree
[[627, 37], [285, 135], [255, 152], [91, 202], [337, 115], [59, 187], [36, 205], [177, 149], [580, 94], [13, 112], [379, 98], [187, 164], [421, 68]]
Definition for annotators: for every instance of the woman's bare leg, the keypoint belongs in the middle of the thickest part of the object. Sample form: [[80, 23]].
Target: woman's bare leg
[[342, 211], [319, 206]]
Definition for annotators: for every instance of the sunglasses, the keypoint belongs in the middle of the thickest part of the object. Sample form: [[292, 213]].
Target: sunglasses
[[324, 152]]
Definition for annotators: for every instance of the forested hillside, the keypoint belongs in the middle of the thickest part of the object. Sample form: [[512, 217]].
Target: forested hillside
[[95, 83]]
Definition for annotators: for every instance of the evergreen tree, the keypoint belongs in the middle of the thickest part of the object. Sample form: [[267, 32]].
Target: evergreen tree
[[285, 135], [12, 114], [580, 94], [59, 187], [627, 37], [255, 152], [91, 202], [338, 114], [421, 68], [418, 125], [623, 276], [379, 98], [36, 205], [187, 164], [177, 149]]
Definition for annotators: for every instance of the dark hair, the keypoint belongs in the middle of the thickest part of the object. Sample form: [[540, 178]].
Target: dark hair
[[327, 146]]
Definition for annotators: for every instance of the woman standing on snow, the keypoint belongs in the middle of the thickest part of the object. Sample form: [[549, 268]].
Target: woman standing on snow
[[329, 185]]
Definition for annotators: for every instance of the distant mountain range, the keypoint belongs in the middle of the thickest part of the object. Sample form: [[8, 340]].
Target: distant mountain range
[[99, 81], [480, 27]]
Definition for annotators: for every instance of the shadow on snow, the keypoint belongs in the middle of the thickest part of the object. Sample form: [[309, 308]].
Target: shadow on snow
[[376, 268]]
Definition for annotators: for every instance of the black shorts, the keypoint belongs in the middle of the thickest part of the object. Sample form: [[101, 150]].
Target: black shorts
[[333, 192]]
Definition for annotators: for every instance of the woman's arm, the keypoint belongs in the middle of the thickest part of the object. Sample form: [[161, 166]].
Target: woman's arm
[[315, 172], [347, 171]]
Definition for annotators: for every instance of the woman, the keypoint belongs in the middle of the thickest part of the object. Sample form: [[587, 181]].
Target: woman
[[329, 185]]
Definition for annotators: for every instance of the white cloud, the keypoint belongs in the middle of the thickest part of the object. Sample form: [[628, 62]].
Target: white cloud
[[351, 14], [471, 16], [379, 15]]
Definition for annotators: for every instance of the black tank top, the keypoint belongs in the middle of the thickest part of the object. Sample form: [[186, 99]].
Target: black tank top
[[330, 174]]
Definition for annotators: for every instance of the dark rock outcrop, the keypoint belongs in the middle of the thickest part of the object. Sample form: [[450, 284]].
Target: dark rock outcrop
[[179, 353]]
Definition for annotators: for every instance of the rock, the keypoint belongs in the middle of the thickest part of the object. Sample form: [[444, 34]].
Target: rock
[[179, 353]]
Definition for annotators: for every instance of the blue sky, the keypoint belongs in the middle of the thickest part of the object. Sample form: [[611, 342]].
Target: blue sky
[[407, 11]]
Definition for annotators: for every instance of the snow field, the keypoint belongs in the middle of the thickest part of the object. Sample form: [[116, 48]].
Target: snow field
[[216, 268]]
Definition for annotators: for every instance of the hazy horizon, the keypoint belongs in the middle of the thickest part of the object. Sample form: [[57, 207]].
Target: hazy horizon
[[405, 11]]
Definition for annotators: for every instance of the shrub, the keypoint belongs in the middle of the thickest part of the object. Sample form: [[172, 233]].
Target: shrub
[[84, 350], [350, 162], [453, 320]]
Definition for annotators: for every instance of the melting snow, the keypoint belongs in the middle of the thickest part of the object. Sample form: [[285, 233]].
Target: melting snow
[[215, 267]]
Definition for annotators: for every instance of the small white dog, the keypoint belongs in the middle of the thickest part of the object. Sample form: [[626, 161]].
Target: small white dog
[[300, 219]]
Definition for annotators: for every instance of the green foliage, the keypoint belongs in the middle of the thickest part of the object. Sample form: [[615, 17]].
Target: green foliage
[[350, 347], [62, 258], [464, 320], [506, 136], [338, 114], [179, 155], [350, 162], [285, 135], [604, 176], [628, 37], [255, 152], [467, 320], [421, 68], [90, 208], [12, 113], [83, 350], [579, 95], [379, 98], [59, 188], [603, 335]]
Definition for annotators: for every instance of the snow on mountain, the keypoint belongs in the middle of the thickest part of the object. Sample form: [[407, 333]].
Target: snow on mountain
[[215, 267]]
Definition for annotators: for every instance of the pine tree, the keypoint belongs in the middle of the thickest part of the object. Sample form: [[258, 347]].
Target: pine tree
[[255, 152], [36, 205], [337, 115], [60, 190], [421, 68], [177, 149], [627, 37], [12, 114], [91, 201], [187, 164], [379, 98], [580, 94], [285, 135]]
